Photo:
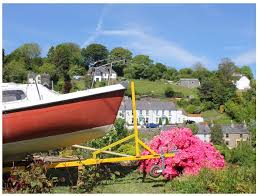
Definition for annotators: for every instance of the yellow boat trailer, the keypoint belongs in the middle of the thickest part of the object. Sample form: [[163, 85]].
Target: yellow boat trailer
[[122, 157]]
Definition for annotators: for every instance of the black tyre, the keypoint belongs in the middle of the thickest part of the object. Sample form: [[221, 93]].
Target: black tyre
[[154, 171]]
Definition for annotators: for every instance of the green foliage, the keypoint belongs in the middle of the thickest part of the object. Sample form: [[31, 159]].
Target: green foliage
[[28, 53], [118, 132], [216, 135], [229, 180], [117, 54], [244, 154], [94, 52], [15, 71], [186, 73], [171, 74], [192, 109], [201, 72], [127, 148], [246, 70], [48, 68], [210, 91], [225, 151], [193, 127], [76, 70], [160, 121], [169, 92], [31, 180], [226, 69]]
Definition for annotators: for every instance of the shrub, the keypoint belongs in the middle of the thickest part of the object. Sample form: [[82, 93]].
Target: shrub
[[169, 92], [192, 109], [243, 155]]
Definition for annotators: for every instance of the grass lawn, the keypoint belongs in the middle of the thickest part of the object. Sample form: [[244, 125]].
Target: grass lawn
[[157, 88], [216, 116]]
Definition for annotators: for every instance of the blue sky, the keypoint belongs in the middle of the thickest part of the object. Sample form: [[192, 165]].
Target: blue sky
[[177, 35]]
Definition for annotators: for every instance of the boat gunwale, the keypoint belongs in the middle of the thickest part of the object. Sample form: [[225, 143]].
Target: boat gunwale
[[66, 100]]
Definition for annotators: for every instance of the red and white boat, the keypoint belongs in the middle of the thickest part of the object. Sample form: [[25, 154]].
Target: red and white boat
[[37, 119]]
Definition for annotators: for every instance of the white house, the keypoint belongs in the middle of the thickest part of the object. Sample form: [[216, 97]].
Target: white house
[[102, 73], [243, 83], [153, 111]]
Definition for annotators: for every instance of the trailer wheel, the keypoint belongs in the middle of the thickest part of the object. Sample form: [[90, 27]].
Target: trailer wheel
[[155, 171]]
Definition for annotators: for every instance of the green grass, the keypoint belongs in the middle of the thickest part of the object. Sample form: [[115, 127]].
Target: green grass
[[216, 117], [157, 88]]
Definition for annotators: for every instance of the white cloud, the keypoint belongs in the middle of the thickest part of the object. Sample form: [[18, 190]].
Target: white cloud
[[246, 58], [145, 43], [98, 27], [155, 46]]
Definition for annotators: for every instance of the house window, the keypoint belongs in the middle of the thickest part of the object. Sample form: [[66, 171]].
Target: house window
[[226, 135], [132, 120], [140, 112], [227, 143], [163, 112], [241, 135], [147, 112]]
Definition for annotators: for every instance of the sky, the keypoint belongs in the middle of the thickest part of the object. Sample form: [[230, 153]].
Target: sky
[[177, 35]]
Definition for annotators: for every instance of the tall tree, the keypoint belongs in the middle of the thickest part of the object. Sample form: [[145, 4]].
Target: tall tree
[[186, 73], [15, 71], [226, 69], [246, 70], [216, 135], [93, 53], [200, 72], [171, 74], [29, 53], [137, 69], [63, 56], [120, 53]]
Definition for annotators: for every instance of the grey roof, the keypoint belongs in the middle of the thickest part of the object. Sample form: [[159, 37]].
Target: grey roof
[[236, 128], [100, 70], [195, 79], [148, 104], [203, 128]]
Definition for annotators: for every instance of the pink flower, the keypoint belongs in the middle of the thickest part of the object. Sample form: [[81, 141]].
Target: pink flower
[[193, 154]]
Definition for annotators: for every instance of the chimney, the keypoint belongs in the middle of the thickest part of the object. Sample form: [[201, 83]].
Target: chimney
[[232, 125], [244, 124], [212, 125]]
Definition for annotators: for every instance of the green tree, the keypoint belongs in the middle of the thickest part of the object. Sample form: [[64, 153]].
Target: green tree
[[226, 69], [76, 70], [29, 53], [15, 71], [200, 72], [171, 74], [94, 52], [216, 135], [193, 127], [169, 92], [186, 73], [48, 68], [246, 70], [160, 121], [151, 72], [63, 56], [120, 53], [142, 60]]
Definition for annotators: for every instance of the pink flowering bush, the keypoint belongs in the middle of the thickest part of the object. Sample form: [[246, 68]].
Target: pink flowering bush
[[193, 154]]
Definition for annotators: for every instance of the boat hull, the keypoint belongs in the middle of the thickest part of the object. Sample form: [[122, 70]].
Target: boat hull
[[60, 124]]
